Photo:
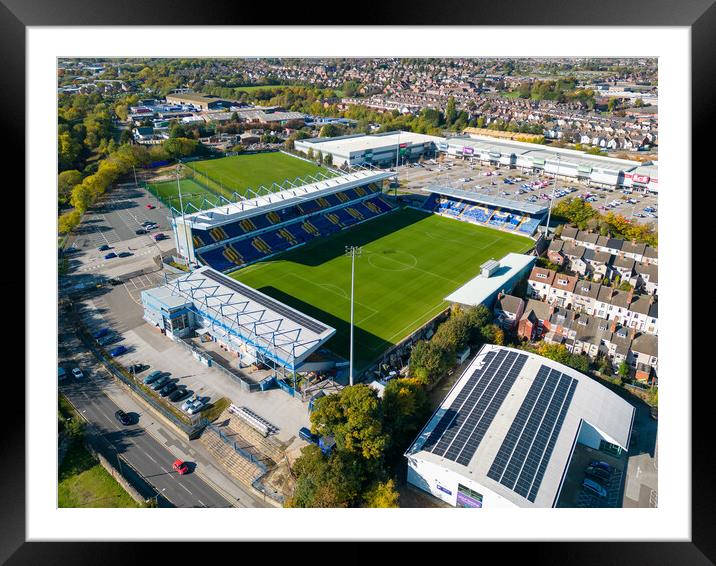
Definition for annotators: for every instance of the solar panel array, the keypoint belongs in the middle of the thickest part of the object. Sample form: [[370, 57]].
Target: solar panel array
[[525, 452], [275, 306], [463, 426]]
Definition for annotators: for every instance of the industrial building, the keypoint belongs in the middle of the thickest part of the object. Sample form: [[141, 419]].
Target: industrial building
[[383, 150], [202, 101], [506, 433], [251, 326]]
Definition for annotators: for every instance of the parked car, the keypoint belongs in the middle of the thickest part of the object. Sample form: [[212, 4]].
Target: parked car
[[61, 373], [167, 389], [110, 255], [197, 407], [140, 231], [101, 332], [159, 383], [593, 487], [178, 394], [118, 351], [115, 282], [598, 474], [138, 368], [159, 237], [151, 206], [125, 254], [306, 434], [600, 464], [146, 222], [123, 417], [104, 248], [108, 339], [77, 373], [151, 226], [189, 402], [180, 467], [152, 377]]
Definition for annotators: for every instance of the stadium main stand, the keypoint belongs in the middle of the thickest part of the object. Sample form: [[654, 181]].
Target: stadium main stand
[[251, 238], [495, 212]]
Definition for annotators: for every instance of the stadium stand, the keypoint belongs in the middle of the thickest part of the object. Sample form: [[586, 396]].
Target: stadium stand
[[500, 217]]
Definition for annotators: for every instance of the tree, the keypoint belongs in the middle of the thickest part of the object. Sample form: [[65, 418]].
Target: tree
[[623, 370], [68, 221], [382, 495], [354, 418], [68, 150], [405, 409], [180, 147], [328, 159], [66, 182], [323, 481], [81, 197], [450, 112], [429, 362]]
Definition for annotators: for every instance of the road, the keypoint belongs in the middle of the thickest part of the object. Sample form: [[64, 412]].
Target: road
[[142, 451]]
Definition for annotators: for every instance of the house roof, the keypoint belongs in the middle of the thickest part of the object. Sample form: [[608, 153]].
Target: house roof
[[565, 282], [537, 308], [573, 250], [586, 288], [597, 257], [646, 344], [542, 275], [587, 237], [630, 247], [508, 303], [648, 269], [623, 262], [569, 232]]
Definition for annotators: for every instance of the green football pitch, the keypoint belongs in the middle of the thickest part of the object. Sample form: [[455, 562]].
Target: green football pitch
[[235, 174], [411, 260], [213, 177]]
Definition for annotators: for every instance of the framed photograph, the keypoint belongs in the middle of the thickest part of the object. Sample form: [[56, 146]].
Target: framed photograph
[[397, 282]]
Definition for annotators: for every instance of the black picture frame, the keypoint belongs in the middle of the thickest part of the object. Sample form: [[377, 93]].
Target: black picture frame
[[699, 15]]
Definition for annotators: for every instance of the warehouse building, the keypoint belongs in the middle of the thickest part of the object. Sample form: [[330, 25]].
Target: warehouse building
[[202, 101], [383, 150], [506, 433]]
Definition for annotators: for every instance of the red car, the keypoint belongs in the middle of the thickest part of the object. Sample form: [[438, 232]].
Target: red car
[[150, 206], [180, 467]]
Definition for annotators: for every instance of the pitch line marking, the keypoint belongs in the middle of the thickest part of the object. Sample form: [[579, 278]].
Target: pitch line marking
[[329, 290]]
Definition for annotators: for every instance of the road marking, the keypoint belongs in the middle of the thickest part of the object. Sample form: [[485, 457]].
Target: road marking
[[152, 459], [167, 471], [185, 488], [202, 503]]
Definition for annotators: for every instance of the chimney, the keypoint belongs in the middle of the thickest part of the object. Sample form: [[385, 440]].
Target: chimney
[[613, 326], [630, 296]]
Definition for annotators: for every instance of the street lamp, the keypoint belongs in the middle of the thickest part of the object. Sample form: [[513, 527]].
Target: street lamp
[[352, 251], [156, 497], [551, 201]]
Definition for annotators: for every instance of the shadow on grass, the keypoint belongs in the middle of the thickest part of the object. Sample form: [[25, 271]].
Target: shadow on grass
[[367, 346]]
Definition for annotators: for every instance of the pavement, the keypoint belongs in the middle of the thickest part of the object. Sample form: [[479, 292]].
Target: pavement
[[147, 448]]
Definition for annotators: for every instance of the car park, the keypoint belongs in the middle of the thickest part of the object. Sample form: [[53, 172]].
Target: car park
[[118, 351], [159, 383], [167, 389], [594, 488], [123, 417], [151, 226], [77, 373], [115, 282], [180, 467], [110, 255], [159, 237], [152, 377]]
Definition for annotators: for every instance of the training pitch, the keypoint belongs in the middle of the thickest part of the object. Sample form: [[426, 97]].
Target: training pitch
[[204, 181], [411, 260]]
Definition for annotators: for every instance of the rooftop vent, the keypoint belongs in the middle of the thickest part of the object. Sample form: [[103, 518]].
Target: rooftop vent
[[489, 267]]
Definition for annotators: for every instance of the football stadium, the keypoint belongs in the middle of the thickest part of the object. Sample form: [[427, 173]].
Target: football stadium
[[282, 249]]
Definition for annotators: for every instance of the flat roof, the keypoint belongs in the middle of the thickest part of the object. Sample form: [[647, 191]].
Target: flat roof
[[247, 208], [345, 145], [584, 400], [283, 333], [479, 289], [473, 196]]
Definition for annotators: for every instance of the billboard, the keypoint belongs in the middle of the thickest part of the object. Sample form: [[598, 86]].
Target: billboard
[[467, 497], [640, 178], [468, 150], [442, 146]]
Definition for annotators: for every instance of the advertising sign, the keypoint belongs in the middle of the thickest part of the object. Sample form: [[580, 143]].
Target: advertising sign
[[444, 489], [467, 497], [442, 146], [640, 178], [403, 145], [468, 150]]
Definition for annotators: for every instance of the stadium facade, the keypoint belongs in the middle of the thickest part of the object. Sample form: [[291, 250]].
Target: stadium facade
[[506, 433], [252, 326], [387, 149], [240, 233]]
